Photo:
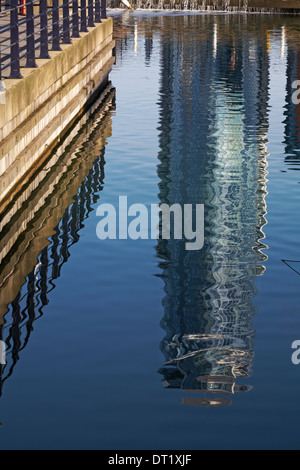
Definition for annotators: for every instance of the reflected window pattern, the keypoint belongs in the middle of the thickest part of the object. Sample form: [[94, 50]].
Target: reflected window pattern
[[213, 126]]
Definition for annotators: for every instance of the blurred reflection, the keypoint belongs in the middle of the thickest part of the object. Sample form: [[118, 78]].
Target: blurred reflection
[[45, 223], [213, 125], [148, 46], [293, 265]]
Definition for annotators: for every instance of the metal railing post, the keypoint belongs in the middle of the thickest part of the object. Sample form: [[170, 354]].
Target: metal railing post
[[66, 22], [91, 23], [83, 27], [30, 35], [97, 11], [14, 41], [55, 26], [75, 20], [44, 30], [103, 9]]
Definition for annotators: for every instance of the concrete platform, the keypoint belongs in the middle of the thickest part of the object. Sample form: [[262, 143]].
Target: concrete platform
[[39, 108]]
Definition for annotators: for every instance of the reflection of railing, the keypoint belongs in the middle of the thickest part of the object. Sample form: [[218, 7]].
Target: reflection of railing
[[29, 29], [70, 175], [293, 265]]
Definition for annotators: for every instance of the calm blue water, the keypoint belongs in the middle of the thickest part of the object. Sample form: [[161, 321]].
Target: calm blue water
[[123, 344]]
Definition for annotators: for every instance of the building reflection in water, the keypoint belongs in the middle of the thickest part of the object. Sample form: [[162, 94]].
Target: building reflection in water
[[213, 125], [292, 110], [51, 211]]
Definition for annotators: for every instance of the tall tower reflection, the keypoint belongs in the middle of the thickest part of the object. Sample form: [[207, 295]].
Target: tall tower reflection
[[64, 195], [213, 124]]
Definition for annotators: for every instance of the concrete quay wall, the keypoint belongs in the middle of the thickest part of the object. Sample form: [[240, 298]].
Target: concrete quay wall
[[37, 110]]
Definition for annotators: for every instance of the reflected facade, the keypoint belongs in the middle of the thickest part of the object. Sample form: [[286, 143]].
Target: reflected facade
[[53, 210], [292, 111], [213, 125]]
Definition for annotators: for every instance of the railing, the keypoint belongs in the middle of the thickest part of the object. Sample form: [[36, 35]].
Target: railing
[[28, 30]]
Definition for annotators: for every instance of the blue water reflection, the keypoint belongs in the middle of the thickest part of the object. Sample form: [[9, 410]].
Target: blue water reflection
[[213, 115]]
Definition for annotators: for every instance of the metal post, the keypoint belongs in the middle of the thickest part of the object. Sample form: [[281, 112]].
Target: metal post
[[83, 27], [44, 30], [55, 26], [66, 22], [91, 14], [75, 20], [14, 40], [30, 35], [97, 11], [103, 9]]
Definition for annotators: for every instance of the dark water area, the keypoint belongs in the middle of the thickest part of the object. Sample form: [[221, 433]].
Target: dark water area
[[143, 344]]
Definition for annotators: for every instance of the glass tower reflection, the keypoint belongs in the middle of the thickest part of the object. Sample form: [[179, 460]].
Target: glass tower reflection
[[213, 124]]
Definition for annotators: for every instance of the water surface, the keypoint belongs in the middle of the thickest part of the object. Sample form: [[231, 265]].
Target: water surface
[[123, 344]]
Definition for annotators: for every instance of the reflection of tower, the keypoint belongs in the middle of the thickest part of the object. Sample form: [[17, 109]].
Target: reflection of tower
[[292, 121], [213, 123], [148, 46], [62, 201]]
